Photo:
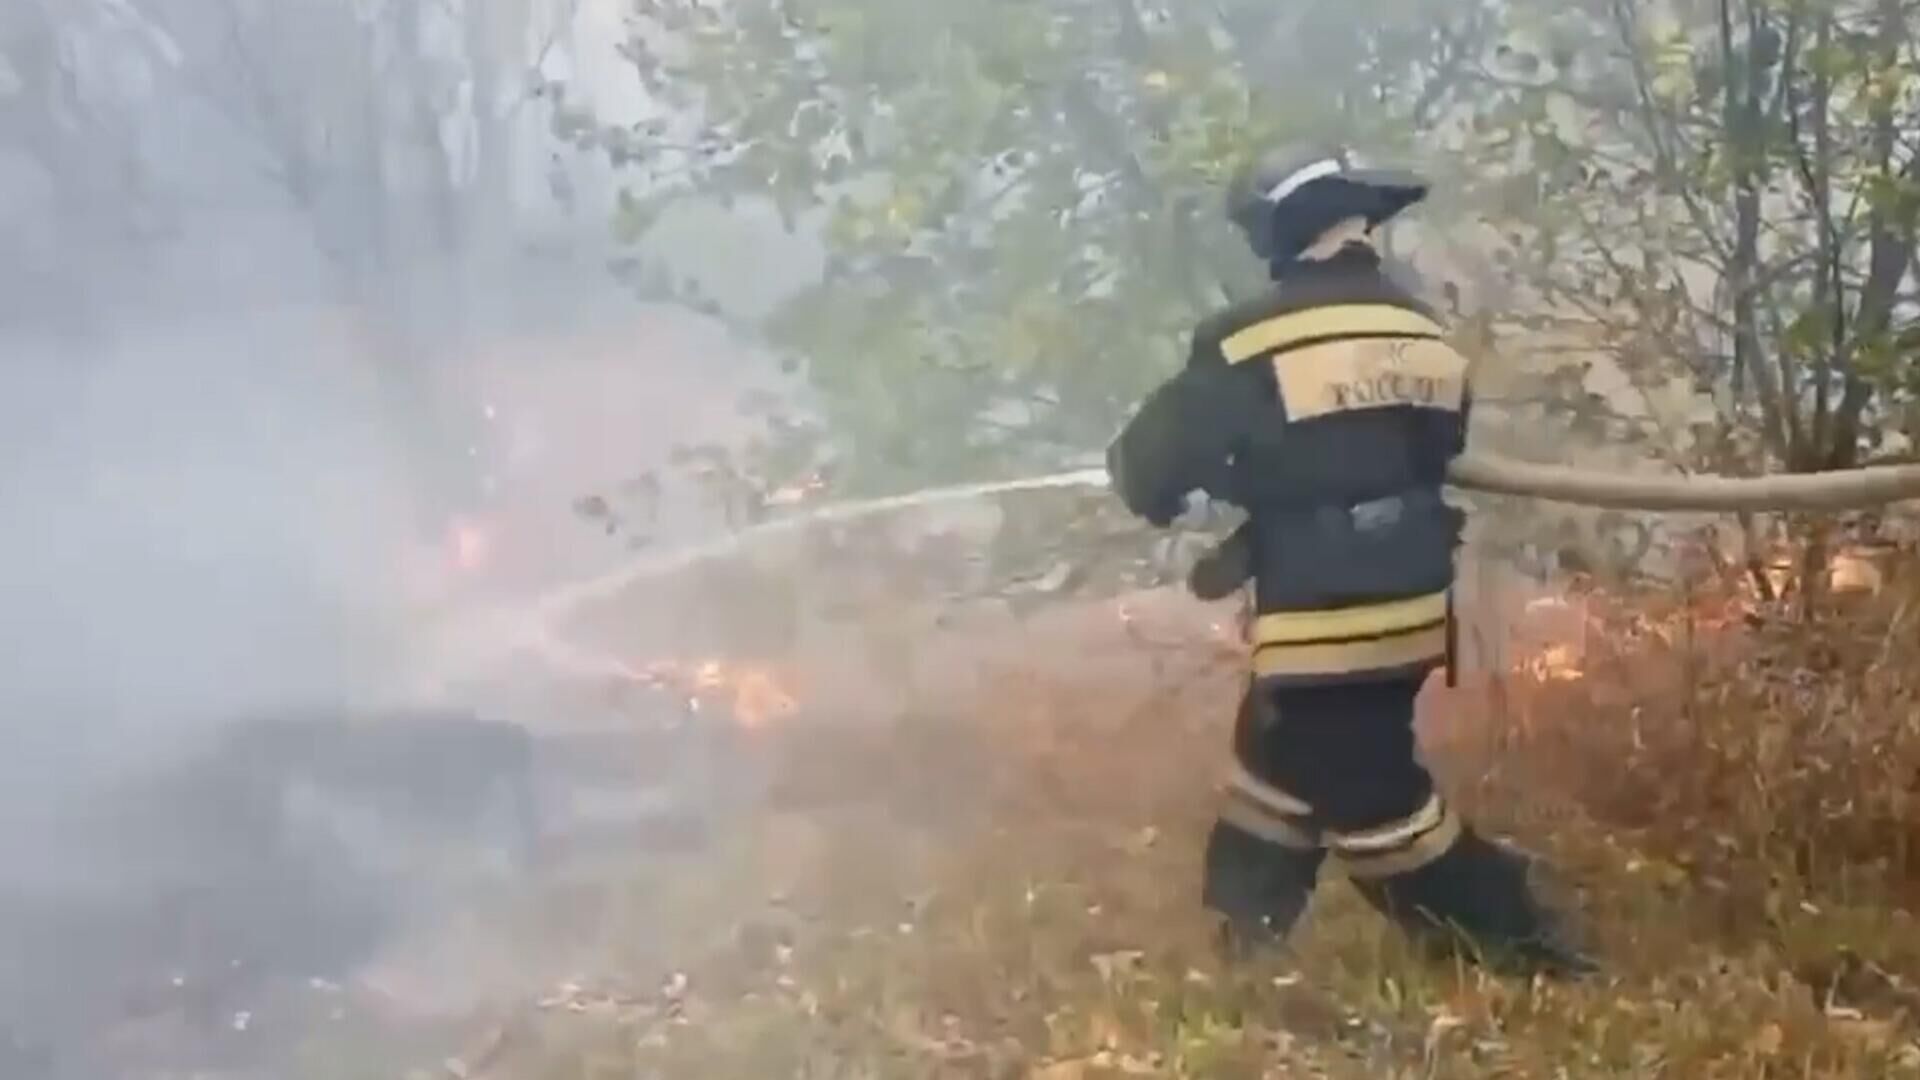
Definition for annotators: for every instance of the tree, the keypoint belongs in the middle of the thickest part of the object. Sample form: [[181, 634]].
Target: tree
[[70, 71], [1707, 201], [67, 68], [389, 125], [390, 130], [1020, 200], [1730, 193], [1719, 198]]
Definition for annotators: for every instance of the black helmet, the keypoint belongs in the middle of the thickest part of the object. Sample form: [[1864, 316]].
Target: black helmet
[[1286, 198]]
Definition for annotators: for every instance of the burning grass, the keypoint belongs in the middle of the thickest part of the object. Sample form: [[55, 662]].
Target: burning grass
[[1003, 883], [753, 696]]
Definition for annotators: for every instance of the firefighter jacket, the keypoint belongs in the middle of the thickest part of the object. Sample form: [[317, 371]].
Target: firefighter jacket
[[1328, 409]]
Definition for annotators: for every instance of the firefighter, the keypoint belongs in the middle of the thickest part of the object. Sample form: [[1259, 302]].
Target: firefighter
[[1328, 408]]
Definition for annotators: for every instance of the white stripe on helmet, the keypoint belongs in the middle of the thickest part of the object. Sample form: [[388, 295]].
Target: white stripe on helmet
[[1300, 178]]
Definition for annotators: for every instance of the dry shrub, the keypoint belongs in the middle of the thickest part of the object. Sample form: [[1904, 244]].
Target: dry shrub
[[1734, 740], [1004, 881]]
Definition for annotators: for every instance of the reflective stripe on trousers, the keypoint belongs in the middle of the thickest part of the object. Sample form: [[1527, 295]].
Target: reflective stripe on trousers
[[1389, 849], [1398, 847]]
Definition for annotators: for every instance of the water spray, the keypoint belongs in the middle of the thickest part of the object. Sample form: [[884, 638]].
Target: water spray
[[534, 631], [567, 599]]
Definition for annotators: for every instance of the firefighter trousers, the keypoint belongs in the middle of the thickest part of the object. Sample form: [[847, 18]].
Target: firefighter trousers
[[1333, 771]]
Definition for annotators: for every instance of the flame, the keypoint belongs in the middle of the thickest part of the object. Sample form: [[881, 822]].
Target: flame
[[1854, 572], [1551, 637], [1851, 569], [1555, 663], [755, 696]]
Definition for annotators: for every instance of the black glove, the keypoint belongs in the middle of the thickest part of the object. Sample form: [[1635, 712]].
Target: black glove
[[1225, 569], [1119, 483]]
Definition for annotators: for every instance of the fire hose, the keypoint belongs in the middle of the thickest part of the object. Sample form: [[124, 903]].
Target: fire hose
[[1844, 489], [1851, 489]]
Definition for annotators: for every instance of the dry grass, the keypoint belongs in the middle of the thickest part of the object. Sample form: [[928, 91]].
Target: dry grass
[[1004, 883]]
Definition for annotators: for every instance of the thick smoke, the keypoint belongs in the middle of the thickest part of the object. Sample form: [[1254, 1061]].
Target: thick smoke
[[249, 389], [206, 519]]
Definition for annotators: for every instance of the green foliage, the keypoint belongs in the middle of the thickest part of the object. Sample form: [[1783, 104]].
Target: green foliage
[[1020, 199]]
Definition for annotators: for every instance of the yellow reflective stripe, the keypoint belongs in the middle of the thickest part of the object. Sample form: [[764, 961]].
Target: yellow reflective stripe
[[1331, 321], [1393, 834], [1393, 616], [1425, 849], [1265, 794], [1240, 812], [1350, 657]]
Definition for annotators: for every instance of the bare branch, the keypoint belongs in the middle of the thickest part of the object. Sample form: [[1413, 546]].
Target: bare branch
[[1779, 418], [1815, 170], [1890, 245]]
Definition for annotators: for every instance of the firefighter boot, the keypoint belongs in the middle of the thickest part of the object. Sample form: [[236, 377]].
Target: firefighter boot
[[1476, 901], [1258, 887]]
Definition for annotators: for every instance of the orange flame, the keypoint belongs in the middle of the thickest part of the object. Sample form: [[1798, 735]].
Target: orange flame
[[1852, 567], [1555, 663], [1849, 570], [755, 696]]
